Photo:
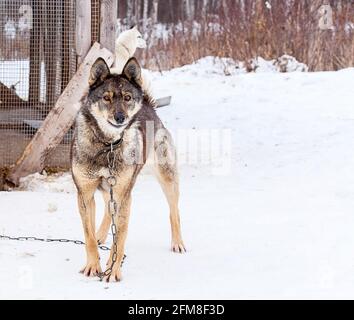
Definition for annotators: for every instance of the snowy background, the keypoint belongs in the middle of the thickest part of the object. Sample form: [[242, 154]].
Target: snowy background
[[277, 223]]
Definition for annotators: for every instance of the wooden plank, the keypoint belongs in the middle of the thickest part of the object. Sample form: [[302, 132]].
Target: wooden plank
[[163, 102], [59, 120], [83, 29], [108, 23]]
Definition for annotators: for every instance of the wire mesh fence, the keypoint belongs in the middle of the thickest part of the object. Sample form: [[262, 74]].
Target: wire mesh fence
[[95, 20], [37, 60]]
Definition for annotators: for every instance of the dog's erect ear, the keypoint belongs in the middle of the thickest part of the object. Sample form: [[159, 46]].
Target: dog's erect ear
[[132, 71], [99, 72]]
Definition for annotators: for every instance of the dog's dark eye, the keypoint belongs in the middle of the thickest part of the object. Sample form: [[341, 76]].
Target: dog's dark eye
[[127, 97], [107, 98]]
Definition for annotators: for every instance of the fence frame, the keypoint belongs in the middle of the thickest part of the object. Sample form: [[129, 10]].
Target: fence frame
[[93, 18]]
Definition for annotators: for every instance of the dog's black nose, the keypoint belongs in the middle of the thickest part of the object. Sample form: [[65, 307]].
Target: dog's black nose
[[119, 117]]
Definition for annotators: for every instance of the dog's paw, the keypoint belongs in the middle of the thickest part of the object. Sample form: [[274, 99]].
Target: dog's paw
[[178, 247], [101, 237], [115, 276], [92, 269]]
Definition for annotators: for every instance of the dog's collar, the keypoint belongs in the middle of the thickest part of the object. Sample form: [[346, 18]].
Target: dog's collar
[[115, 144], [109, 147]]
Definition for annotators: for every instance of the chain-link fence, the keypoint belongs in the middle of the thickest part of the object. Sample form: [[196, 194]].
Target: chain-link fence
[[37, 60]]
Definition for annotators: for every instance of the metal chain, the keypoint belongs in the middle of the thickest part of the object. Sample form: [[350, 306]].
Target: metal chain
[[79, 242], [113, 210]]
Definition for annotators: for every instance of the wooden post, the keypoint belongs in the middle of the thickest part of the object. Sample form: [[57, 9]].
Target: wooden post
[[59, 119], [83, 29], [35, 48], [65, 44], [108, 23], [50, 44]]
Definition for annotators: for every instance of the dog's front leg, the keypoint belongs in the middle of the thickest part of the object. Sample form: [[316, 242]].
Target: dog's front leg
[[102, 232], [121, 221], [86, 190]]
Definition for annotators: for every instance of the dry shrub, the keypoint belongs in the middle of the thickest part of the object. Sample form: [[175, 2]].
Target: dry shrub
[[243, 30]]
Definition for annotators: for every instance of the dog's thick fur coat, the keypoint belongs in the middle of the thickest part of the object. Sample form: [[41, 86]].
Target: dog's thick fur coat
[[121, 97], [126, 44]]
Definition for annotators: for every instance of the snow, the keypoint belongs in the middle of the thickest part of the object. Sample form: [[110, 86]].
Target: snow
[[10, 29], [16, 73], [155, 33], [25, 21], [229, 67], [59, 182], [277, 223]]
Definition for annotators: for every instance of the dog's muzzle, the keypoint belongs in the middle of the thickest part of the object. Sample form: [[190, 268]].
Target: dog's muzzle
[[119, 117]]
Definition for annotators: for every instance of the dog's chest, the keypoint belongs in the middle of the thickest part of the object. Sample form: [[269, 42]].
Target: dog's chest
[[103, 173], [130, 154]]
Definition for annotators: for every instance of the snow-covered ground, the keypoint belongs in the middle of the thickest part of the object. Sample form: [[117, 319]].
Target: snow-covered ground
[[277, 223]]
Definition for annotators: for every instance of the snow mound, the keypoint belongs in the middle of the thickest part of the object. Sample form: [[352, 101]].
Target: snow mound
[[288, 63], [210, 66], [58, 182]]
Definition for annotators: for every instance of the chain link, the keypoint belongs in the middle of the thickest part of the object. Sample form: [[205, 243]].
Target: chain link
[[79, 242], [113, 210]]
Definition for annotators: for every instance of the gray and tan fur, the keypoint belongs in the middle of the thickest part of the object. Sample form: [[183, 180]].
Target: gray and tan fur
[[117, 108]]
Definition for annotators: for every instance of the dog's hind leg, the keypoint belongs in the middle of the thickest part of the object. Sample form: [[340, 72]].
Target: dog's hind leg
[[103, 230], [171, 190], [166, 173], [86, 190]]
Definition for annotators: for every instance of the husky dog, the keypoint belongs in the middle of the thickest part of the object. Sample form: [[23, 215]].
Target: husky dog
[[126, 45], [117, 114]]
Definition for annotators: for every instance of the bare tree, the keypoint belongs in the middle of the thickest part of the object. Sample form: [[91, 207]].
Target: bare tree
[[224, 7], [155, 11], [137, 12], [205, 8], [145, 13], [130, 10], [189, 8]]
